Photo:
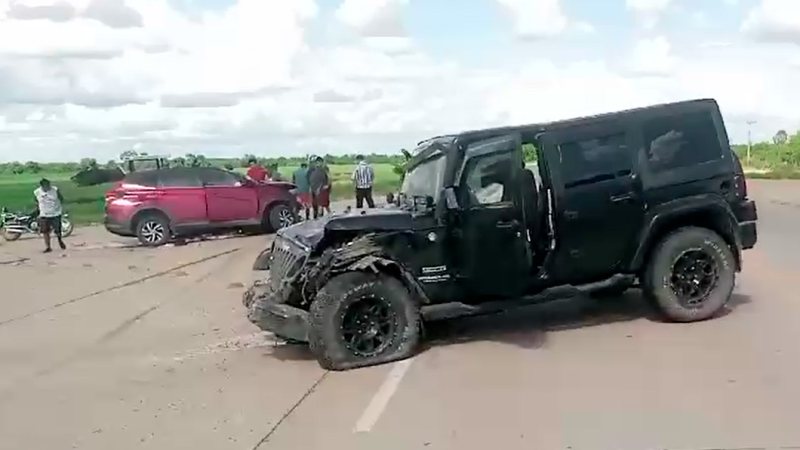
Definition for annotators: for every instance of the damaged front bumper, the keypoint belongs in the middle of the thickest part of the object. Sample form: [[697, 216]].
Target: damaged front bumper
[[268, 301], [266, 310]]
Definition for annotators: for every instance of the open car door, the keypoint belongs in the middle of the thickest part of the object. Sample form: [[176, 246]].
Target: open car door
[[494, 244]]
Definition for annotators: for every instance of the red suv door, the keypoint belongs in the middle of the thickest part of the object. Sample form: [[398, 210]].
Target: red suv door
[[227, 198], [182, 196]]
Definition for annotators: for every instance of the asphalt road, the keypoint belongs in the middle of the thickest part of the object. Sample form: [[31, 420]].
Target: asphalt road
[[128, 348]]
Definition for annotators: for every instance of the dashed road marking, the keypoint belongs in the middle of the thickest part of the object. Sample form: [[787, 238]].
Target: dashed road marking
[[381, 399]]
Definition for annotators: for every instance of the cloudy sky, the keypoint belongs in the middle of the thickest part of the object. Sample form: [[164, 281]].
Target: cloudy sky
[[91, 78]]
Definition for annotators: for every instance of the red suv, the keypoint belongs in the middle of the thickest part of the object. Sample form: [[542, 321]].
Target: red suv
[[155, 205]]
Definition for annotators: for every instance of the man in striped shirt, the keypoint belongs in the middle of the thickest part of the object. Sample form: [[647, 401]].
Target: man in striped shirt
[[363, 177]]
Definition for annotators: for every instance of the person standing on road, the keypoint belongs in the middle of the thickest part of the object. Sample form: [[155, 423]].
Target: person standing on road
[[363, 178], [49, 200], [319, 183], [300, 179], [274, 174], [255, 171], [326, 194]]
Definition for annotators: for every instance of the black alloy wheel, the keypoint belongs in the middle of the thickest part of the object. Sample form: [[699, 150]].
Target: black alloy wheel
[[361, 319], [368, 326], [691, 275], [694, 276]]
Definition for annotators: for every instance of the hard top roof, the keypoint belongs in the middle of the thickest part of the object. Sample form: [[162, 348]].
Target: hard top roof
[[144, 157], [470, 135]]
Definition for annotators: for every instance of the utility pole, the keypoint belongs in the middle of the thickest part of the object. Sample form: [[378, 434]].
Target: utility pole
[[750, 124]]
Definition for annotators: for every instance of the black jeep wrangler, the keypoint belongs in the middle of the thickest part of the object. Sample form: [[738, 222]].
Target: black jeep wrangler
[[651, 196]]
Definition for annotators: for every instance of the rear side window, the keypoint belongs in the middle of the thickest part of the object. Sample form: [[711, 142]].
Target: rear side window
[[593, 160], [215, 177], [176, 178], [147, 178], [681, 140]]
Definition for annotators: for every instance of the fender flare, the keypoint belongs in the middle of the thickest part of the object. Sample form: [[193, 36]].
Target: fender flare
[[149, 210], [676, 213], [378, 264]]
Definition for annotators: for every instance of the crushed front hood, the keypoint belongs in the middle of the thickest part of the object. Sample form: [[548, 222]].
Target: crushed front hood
[[308, 233]]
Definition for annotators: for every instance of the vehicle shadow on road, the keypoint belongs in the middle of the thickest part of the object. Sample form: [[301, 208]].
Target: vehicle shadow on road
[[528, 327], [292, 352]]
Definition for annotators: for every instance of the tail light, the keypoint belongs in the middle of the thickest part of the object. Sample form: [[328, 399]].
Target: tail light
[[111, 195], [740, 184]]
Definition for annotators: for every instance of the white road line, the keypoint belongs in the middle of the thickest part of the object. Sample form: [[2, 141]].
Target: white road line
[[381, 398]]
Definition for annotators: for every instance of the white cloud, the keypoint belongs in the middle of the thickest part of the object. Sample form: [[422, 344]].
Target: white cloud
[[389, 45], [584, 27], [774, 21], [653, 57], [648, 11], [648, 5], [246, 50], [699, 18], [111, 13], [535, 19], [373, 18], [249, 80]]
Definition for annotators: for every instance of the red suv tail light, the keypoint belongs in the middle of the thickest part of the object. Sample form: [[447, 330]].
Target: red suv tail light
[[111, 195]]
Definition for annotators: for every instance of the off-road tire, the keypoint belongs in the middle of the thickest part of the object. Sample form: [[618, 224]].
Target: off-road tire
[[154, 218], [11, 236], [656, 279], [328, 309], [273, 217]]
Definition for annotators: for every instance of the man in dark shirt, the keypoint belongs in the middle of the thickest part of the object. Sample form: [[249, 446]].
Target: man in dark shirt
[[300, 179], [320, 184], [274, 174], [256, 171]]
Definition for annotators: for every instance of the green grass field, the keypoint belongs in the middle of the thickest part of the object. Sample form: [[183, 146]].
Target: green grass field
[[85, 204]]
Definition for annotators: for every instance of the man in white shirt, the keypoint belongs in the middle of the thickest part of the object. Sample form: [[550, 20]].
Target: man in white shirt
[[363, 177], [49, 199]]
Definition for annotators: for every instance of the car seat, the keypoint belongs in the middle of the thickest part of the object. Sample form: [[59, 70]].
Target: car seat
[[530, 204]]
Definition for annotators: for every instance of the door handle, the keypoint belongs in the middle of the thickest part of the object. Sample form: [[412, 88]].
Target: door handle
[[622, 198], [506, 223]]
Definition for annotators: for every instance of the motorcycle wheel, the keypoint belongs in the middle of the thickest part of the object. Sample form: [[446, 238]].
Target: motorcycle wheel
[[10, 235], [66, 227]]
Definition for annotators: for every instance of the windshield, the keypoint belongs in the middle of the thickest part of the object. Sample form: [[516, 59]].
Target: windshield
[[425, 179]]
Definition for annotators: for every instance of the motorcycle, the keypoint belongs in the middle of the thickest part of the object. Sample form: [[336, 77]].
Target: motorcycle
[[14, 225]]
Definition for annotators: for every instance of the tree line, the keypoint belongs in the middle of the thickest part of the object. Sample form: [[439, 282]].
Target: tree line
[[781, 154], [188, 160]]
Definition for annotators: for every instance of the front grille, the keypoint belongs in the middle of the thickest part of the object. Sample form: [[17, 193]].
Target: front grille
[[286, 261]]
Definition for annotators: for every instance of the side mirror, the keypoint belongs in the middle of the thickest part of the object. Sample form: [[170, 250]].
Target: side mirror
[[450, 199]]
